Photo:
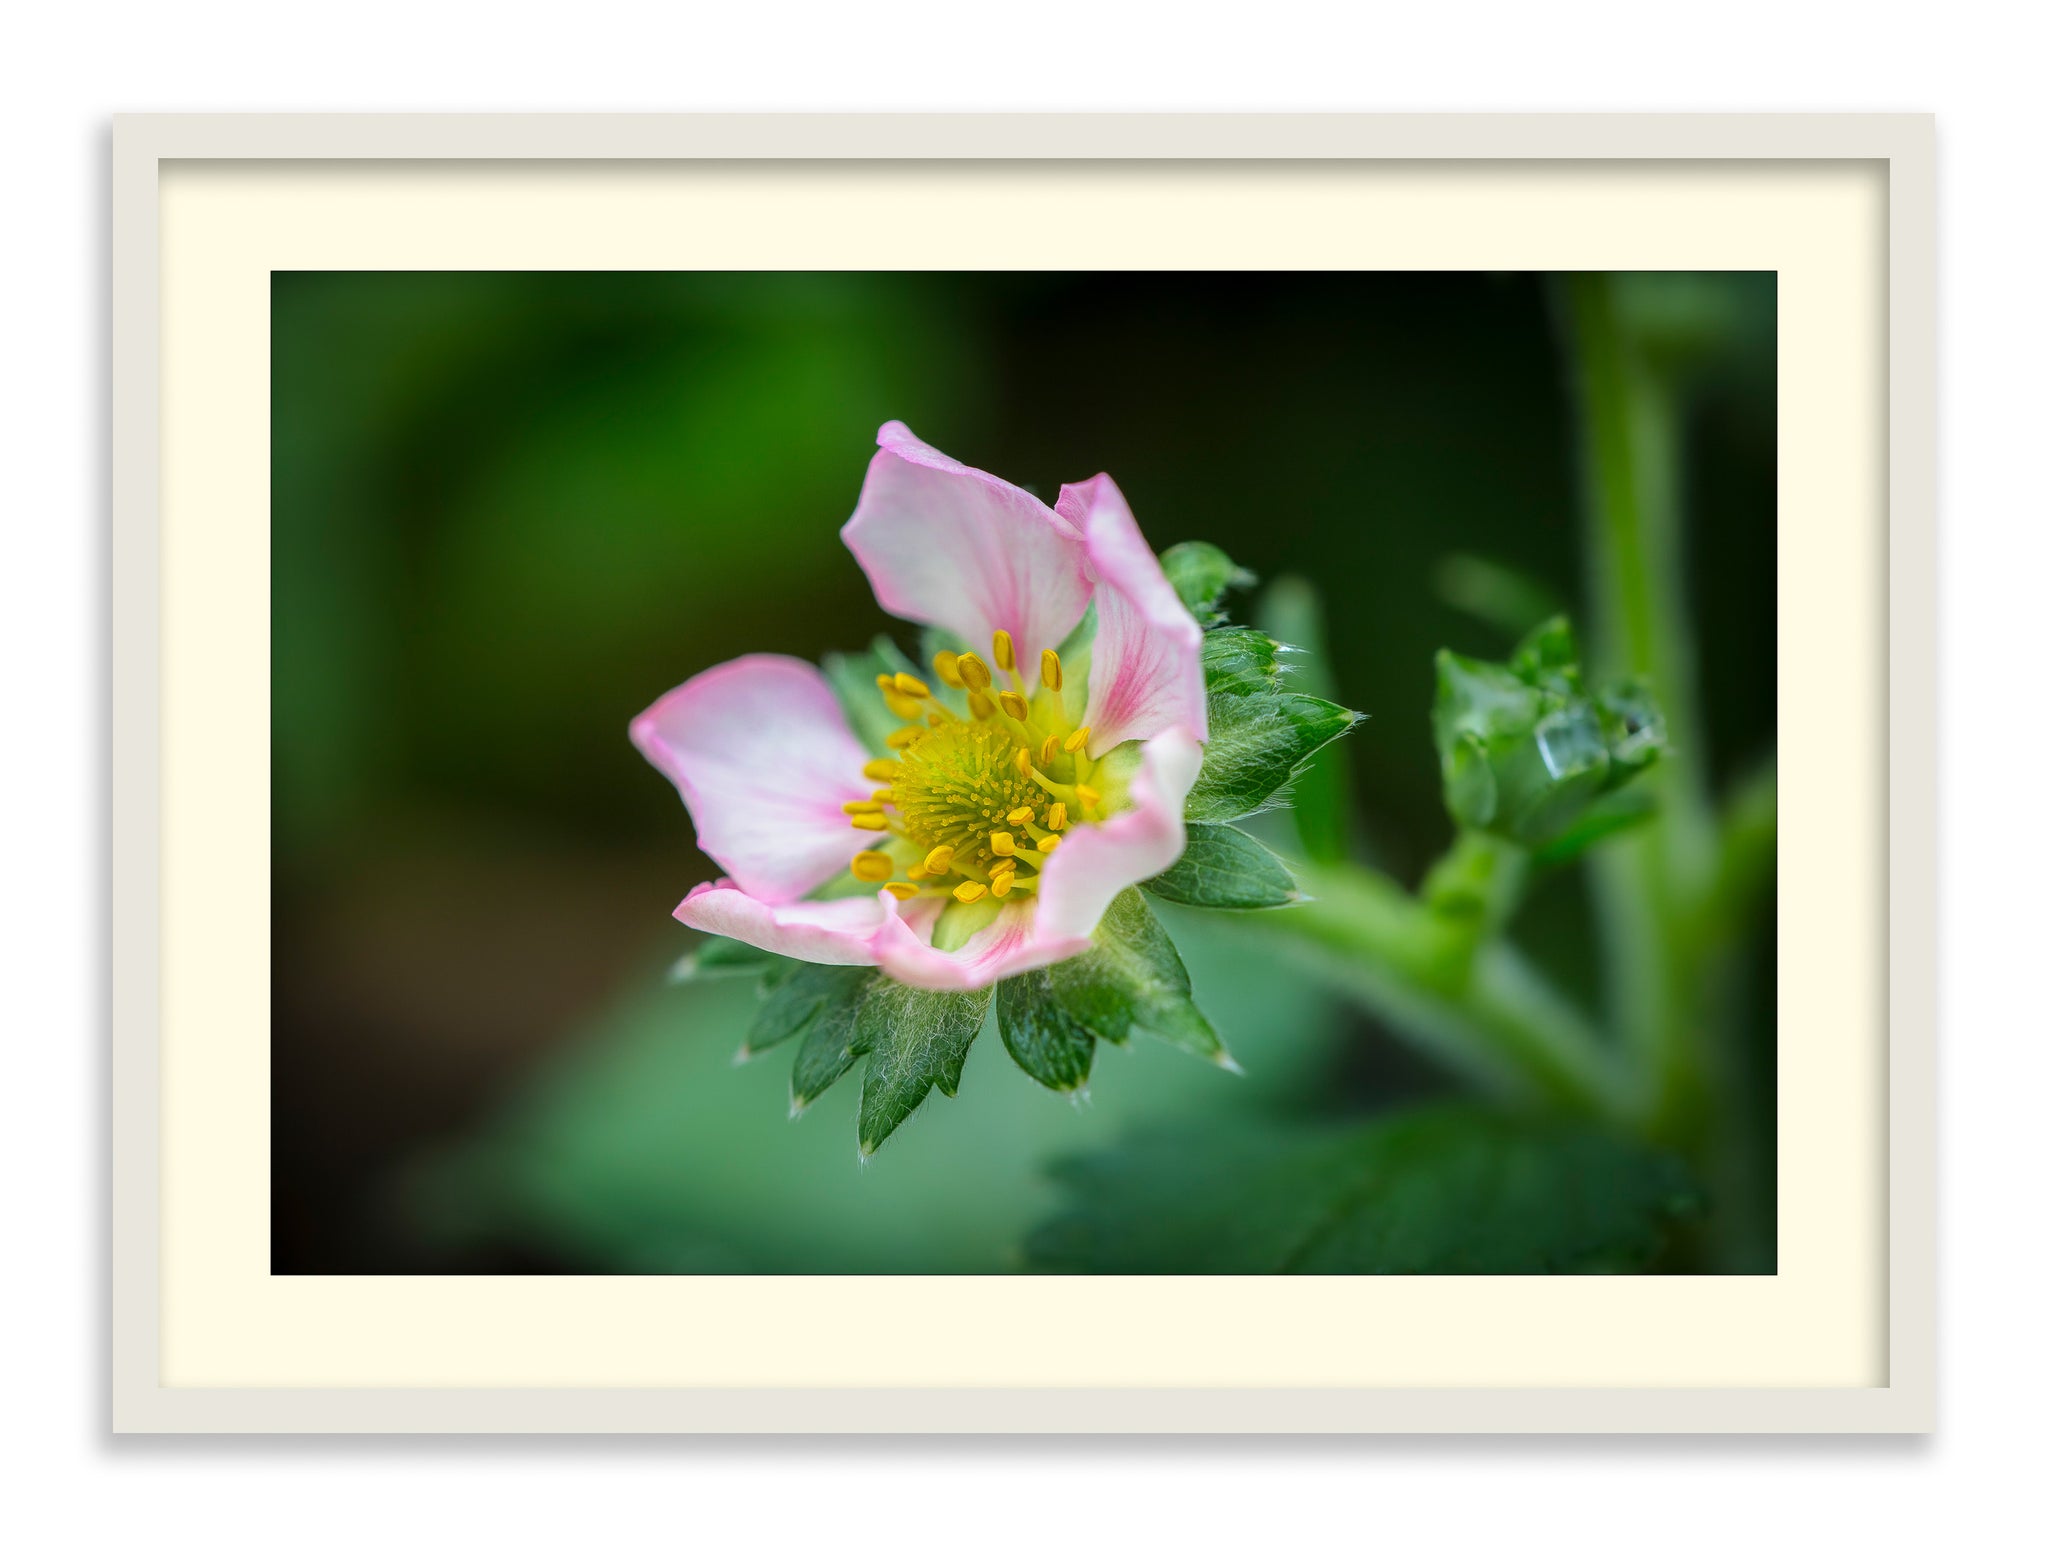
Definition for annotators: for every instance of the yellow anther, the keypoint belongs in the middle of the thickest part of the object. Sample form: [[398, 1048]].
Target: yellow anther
[[1006, 651], [886, 682], [969, 891], [974, 676], [947, 665], [872, 822], [1014, 706], [1048, 843], [1003, 866], [908, 736], [861, 807], [1022, 762], [1056, 818], [1048, 751], [902, 890], [999, 886], [882, 770], [910, 686], [903, 706], [883, 796], [873, 866], [1077, 740], [1049, 669], [981, 704], [1022, 816], [917, 872], [1088, 795], [1002, 842], [939, 860], [935, 718]]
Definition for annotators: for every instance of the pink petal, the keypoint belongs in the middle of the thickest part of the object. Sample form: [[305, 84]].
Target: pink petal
[[761, 751], [1013, 942], [945, 544], [1095, 863], [838, 933], [1145, 668]]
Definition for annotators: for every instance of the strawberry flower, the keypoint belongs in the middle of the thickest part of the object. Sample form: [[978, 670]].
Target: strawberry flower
[[1039, 770]]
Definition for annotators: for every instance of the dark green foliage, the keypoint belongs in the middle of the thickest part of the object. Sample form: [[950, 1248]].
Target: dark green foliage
[[1200, 573], [1224, 867], [1238, 661], [1448, 1189], [1526, 751], [797, 999], [1256, 743], [1133, 979]]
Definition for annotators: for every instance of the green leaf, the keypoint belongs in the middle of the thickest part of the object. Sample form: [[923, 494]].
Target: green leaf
[[913, 1039], [1133, 978], [1255, 746], [1224, 867], [1320, 798], [1200, 573], [1240, 661], [853, 678], [1445, 1189], [1044, 1040]]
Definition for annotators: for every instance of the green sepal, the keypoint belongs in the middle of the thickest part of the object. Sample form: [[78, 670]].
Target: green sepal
[[1240, 662], [1200, 573], [795, 1001], [1526, 751], [718, 957], [1044, 1040], [828, 1050], [853, 679], [914, 1039], [1133, 978], [1441, 1189], [1255, 745], [1223, 867]]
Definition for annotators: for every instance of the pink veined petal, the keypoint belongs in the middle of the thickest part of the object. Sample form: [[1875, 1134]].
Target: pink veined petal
[[946, 544], [1013, 942], [1087, 871], [1145, 667], [762, 753], [850, 931]]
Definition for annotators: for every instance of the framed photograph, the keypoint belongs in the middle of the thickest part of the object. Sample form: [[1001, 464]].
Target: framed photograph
[[1207, 701]]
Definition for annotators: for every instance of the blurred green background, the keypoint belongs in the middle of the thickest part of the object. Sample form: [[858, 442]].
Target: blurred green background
[[509, 510]]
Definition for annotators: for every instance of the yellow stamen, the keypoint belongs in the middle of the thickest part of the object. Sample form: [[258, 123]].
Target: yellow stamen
[[1078, 739], [1056, 818], [883, 796], [902, 890], [882, 770], [982, 707], [1088, 795], [1014, 706], [910, 686], [1047, 844], [917, 872], [1000, 885], [1002, 843], [861, 807], [1022, 762], [935, 718], [873, 866], [974, 676], [903, 706], [908, 736], [1021, 815], [874, 822], [1048, 751], [1049, 669], [939, 860], [1006, 652], [886, 682], [947, 666], [969, 891]]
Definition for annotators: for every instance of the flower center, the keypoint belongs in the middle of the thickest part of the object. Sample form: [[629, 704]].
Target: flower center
[[985, 797]]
